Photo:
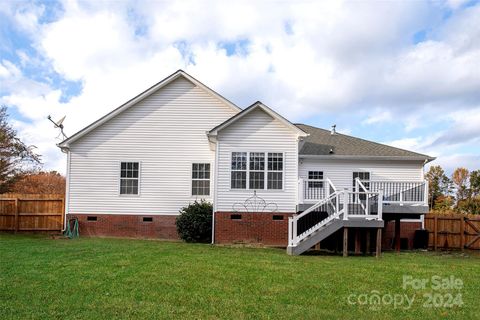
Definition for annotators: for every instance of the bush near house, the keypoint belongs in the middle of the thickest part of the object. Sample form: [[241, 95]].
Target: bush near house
[[194, 224]]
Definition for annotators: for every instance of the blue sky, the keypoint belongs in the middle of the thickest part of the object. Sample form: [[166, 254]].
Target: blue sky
[[402, 73]]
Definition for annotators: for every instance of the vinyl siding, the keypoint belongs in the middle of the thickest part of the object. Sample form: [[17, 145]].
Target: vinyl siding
[[257, 132], [166, 133], [340, 171]]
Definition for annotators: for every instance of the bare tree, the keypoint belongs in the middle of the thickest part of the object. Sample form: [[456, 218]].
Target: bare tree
[[15, 156]]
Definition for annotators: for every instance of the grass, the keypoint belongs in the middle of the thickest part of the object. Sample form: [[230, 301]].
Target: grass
[[94, 278]]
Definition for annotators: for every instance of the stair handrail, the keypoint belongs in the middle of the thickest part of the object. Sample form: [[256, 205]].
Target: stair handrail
[[293, 238], [316, 205]]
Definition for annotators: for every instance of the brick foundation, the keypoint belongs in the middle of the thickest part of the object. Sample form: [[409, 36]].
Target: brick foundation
[[124, 225], [258, 228], [407, 231]]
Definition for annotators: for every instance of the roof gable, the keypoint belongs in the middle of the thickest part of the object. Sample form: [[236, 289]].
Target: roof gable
[[257, 105], [140, 97]]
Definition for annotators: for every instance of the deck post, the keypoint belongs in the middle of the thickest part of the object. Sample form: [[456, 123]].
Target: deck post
[[357, 241], [397, 235], [301, 191], [290, 231], [345, 241], [378, 249], [368, 240], [294, 231], [380, 204]]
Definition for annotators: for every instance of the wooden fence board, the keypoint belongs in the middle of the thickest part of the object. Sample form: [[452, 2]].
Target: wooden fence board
[[31, 212], [453, 231]]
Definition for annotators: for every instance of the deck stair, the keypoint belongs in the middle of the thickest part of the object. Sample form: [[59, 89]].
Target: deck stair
[[339, 209]]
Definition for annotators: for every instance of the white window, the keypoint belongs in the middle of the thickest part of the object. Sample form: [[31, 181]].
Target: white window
[[264, 170], [201, 179], [239, 170], [365, 179], [129, 177], [315, 175], [275, 170], [257, 170]]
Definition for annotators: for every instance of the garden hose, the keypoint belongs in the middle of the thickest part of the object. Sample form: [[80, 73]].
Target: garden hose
[[72, 233]]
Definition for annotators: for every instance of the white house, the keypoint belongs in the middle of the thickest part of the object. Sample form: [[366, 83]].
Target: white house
[[270, 181]]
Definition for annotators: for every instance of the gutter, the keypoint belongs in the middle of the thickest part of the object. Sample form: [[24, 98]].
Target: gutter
[[346, 157]]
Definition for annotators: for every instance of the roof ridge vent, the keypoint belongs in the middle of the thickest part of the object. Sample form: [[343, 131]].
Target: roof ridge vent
[[333, 131]]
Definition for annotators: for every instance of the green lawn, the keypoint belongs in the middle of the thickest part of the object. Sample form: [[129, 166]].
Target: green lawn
[[43, 278]]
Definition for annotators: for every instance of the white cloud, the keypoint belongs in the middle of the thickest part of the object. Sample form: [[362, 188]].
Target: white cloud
[[334, 57], [378, 116]]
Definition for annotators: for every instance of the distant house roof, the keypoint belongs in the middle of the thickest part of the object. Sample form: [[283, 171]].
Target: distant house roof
[[322, 143], [254, 106]]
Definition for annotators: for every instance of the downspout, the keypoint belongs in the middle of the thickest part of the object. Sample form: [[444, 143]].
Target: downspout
[[215, 176], [67, 188]]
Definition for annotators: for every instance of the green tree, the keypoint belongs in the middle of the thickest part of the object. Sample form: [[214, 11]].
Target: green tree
[[475, 183], [438, 184], [16, 157]]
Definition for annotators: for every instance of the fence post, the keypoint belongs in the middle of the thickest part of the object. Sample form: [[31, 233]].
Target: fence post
[[435, 229], [462, 233], [16, 215]]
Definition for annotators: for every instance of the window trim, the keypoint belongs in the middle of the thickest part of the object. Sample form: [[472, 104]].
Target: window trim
[[367, 186], [314, 181], [247, 180], [268, 171], [265, 189], [200, 196], [119, 177]]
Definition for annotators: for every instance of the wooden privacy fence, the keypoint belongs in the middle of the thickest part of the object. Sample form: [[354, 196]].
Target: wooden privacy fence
[[31, 212], [453, 231]]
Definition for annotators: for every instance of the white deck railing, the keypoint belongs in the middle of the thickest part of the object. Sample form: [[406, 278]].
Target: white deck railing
[[394, 192], [338, 205], [312, 190]]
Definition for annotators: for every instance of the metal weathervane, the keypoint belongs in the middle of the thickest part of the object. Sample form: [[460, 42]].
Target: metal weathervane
[[255, 204]]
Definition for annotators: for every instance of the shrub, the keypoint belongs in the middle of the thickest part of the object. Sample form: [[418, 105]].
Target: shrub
[[194, 224]]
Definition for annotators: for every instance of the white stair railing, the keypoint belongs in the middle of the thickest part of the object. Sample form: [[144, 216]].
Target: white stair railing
[[333, 203]]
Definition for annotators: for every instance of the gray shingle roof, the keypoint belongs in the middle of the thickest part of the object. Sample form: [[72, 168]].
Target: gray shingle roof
[[321, 142]]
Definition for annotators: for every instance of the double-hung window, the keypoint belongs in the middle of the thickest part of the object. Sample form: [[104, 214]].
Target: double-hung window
[[257, 170], [200, 179], [313, 176], [275, 170], [364, 179], [239, 170], [129, 177]]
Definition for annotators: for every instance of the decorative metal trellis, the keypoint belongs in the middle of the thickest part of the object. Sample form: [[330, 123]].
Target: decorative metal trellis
[[255, 204]]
